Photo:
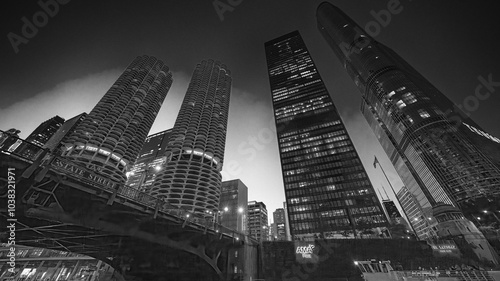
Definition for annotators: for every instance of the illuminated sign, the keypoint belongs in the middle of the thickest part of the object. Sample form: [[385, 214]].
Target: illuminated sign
[[445, 249], [306, 252]]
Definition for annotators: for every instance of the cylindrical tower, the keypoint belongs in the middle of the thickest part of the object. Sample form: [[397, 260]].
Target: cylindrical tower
[[191, 177], [111, 136]]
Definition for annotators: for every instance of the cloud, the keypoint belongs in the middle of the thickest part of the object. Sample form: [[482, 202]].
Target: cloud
[[73, 97], [66, 99]]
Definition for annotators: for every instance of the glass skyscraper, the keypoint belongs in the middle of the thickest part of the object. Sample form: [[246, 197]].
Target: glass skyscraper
[[233, 206], [327, 190], [41, 135], [151, 158], [191, 177], [429, 140], [109, 139]]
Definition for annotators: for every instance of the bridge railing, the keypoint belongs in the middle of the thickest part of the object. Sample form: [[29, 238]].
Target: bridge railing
[[30, 152]]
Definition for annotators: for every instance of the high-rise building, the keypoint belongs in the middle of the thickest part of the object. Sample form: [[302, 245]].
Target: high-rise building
[[56, 142], [258, 225], [327, 189], [279, 224], [441, 154], [151, 158], [111, 136], [191, 177], [45, 131], [391, 209], [233, 206], [421, 224], [288, 235]]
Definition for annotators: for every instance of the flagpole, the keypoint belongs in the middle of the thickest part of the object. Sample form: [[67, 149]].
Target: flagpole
[[395, 194]]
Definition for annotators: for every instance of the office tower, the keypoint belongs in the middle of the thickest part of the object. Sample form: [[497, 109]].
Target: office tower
[[288, 235], [111, 136], [191, 177], [421, 224], [279, 224], [40, 136], [327, 190], [392, 210], [143, 173], [441, 155], [56, 142], [45, 131], [233, 206], [258, 225]]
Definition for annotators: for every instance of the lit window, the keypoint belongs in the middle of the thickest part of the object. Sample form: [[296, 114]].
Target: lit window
[[423, 113], [409, 98], [391, 94], [400, 104]]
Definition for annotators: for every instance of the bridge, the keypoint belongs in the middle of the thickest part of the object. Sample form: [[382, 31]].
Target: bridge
[[56, 204]]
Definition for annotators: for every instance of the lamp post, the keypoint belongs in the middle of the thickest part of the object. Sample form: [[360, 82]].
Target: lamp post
[[493, 213], [395, 195]]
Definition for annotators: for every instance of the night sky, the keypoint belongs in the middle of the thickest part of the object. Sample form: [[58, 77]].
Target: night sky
[[71, 61]]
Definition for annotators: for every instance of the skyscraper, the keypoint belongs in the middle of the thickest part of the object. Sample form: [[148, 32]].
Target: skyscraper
[[436, 149], [56, 142], [45, 131], [112, 135], [279, 224], [191, 177], [327, 190], [40, 136], [151, 158], [258, 224], [233, 206]]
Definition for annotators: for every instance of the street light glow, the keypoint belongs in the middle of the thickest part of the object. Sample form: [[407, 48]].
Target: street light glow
[[240, 210], [226, 209]]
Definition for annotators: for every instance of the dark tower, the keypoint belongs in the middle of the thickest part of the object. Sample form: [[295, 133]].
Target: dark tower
[[327, 190], [428, 139]]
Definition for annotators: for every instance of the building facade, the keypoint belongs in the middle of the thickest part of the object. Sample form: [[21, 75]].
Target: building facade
[[151, 158], [258, 225], [191, 177], [111, 136], [39, 137], [233, 206], [38, 264], [56, 143], [327, 189], [45, 131], [279, 227], [433, 145]]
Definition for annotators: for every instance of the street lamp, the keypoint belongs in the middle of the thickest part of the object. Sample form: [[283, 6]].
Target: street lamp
[[493, 213]]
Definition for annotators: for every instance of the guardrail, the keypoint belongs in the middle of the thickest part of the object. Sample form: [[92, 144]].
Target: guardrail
[[29, 152]]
